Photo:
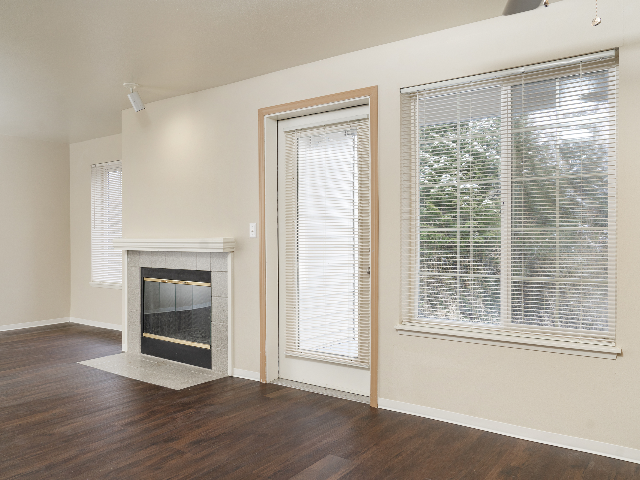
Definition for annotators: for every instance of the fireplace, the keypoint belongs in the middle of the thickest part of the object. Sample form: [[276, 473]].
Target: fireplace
[[194, 262], [176, 315]]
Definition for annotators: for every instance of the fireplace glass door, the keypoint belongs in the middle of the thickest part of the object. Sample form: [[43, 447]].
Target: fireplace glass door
[[177, 316]]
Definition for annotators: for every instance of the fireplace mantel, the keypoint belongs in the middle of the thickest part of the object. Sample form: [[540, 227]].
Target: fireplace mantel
[[221, 244]]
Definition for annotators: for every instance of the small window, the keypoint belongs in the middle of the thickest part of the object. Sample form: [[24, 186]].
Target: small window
[[106, 224]]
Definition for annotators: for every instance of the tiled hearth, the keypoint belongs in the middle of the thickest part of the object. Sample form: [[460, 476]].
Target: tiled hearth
[[157, 371]]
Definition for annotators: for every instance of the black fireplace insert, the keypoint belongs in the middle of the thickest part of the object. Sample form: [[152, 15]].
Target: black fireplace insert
[[176, 315]]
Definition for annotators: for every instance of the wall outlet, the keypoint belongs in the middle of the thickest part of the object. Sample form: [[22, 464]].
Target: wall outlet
[[252, 229]]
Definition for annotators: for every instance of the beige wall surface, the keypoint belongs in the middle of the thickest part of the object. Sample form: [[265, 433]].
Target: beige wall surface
[[89, 303], [190, 165], [34, 239]]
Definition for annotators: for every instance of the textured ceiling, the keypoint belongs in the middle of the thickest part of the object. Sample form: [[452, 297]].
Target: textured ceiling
[[63, 62]]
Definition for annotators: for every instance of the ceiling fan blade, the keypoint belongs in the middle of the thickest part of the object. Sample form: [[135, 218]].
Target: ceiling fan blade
[[519, 6]]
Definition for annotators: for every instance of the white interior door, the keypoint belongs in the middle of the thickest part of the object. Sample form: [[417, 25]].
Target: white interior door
[[324, 250]]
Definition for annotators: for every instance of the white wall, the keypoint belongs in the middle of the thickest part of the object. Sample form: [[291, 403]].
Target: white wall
[[89, 303], [190, 166], [34, 238]]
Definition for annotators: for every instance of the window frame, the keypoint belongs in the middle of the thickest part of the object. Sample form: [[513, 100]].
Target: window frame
[[563, 341]]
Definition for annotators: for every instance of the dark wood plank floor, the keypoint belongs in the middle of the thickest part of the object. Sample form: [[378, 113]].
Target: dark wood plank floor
[[61, 420]]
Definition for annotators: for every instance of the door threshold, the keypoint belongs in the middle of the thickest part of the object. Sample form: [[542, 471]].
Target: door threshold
[[354, 397]]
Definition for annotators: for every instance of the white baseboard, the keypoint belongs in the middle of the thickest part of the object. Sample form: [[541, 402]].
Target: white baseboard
[[41, 323], [91, 323], [524, 433], [54, 321], [246, 374]]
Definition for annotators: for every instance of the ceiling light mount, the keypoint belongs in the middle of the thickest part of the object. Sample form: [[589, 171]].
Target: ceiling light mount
[[596, 20], [134, 97], [131, 86]]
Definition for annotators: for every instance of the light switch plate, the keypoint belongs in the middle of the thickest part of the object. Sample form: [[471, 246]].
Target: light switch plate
[[252, 229]]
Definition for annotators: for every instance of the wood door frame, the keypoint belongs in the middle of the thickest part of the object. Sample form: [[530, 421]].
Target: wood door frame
[[372, 94]]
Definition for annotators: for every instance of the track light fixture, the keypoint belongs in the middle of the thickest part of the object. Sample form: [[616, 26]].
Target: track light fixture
[[134, 97], [519, 6]]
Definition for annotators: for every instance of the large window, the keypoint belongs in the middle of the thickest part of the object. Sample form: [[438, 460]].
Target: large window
[[106, 224], [509, 202]]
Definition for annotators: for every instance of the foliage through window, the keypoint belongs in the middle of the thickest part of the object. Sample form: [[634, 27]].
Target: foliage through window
[[509, 202]]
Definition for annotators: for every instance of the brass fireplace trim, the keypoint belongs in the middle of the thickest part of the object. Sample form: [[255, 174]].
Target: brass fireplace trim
[[181, 282], [176, 340]]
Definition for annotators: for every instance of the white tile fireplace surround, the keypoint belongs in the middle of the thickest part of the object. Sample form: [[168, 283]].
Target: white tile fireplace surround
[[214, 255]]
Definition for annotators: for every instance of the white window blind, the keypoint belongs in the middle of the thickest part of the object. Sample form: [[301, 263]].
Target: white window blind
[[327, 238], [106, 223], [509, 201]]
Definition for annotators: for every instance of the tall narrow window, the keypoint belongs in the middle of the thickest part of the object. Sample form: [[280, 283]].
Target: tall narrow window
[[508, 208], [328, 242], [106, 224]]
